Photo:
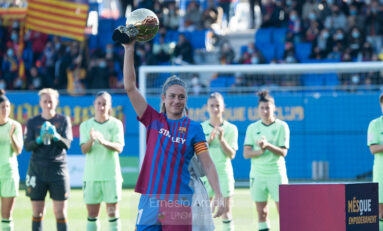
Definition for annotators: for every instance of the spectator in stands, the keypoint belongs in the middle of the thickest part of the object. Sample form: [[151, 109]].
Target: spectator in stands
[[10, 68], [337, 19], [323, 42], [35, 79], [212, 41], [295, 25], [356, 17], [226, 6], [148, 4], [309, 7], [48, 60], [209, 17], [171, 17], [339, 39], [374, 25], [336, 53], [312, 30], [193, 17], [270, 14], [38, 40], [61, 65], [289, 54], [226, 53], [197, 87], [257, 57], [355, 42], [245, 58], [367, 51], [97, 76], [162, 51], [183, 52]]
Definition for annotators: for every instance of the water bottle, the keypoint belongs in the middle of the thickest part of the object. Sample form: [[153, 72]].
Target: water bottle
[[46, 137]]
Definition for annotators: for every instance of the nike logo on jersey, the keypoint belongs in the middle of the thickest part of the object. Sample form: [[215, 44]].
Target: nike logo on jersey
[[173, 139]]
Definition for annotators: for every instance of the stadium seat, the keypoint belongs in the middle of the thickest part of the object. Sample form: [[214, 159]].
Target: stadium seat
[[302, 51], [279, 50], [197, 39], [267, 49], [279, 35], [263, 36], [312, 80], [219, 82], [331, 79], [243, 49]]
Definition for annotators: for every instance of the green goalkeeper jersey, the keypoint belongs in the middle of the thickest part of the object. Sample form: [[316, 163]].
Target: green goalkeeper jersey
[[268, 163], [375, 136], [8, 157], [221, 161], [102, 164]]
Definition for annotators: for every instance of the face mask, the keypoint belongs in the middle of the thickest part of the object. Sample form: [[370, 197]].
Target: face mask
[[254, 60], [14, 36], [194, 81], [57, 46], [353, 12], [102, 64], [355, 79], [325, 35], [312, 16], [355, 34], [290, 59], [2, 85], [10, 52], [109, 51], [293, 17], [339, 36]]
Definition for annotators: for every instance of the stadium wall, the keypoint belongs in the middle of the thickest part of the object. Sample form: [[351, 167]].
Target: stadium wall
[[324, 127]]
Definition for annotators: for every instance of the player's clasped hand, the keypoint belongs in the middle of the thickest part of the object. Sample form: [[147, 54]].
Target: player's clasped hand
[[53, 132], [218, 202], [43, 131]]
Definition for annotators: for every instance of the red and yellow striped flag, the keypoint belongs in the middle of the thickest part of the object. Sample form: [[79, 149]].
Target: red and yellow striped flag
[[64, 18]]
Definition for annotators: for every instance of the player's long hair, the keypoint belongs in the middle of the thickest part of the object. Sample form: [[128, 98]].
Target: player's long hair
[[264, 96], [172, 80], [3, 98]]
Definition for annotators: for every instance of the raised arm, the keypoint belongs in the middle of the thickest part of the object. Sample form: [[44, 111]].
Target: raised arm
[[138, 101]]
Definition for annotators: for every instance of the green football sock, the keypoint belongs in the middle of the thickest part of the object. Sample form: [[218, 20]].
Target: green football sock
[[93, 224], [228, 225], [6, 225], [380, 223], [264, 226], [114, 224]]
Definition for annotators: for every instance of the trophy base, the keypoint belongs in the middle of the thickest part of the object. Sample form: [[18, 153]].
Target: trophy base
[[120, 37]]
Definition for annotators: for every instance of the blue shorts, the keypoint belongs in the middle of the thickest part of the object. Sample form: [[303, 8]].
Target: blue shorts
[[160, 215]]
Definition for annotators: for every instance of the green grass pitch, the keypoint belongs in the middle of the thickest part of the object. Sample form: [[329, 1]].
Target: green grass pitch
[[244, 212]]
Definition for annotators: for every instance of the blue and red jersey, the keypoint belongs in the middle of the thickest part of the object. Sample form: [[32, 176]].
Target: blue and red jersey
[[170, 146]]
